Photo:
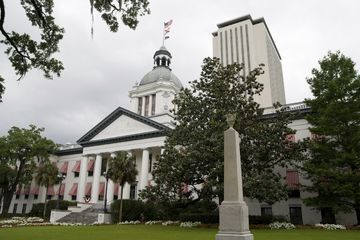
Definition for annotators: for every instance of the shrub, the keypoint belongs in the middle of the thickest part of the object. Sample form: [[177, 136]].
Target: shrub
[[38, 208], [331, 226], [265, 220], [212, 218], [134, 210]]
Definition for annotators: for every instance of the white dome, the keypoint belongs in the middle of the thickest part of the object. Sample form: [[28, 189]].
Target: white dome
[[160, 73]]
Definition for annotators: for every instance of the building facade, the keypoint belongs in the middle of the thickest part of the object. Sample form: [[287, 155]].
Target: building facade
[[249, 42]]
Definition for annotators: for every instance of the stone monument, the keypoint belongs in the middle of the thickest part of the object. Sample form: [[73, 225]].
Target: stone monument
[[234, 213]]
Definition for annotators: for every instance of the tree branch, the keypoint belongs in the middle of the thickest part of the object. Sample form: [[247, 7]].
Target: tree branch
[[39, 12], [6, 35]]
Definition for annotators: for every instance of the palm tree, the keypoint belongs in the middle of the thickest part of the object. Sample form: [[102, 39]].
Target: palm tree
[[47, 175], [122, 169]]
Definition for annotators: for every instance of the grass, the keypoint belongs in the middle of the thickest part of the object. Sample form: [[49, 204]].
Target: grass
[[158, 232]]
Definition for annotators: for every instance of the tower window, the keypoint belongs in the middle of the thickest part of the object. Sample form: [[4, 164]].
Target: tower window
[[153, 102], [146, 106], [140, 105], [163, 61]]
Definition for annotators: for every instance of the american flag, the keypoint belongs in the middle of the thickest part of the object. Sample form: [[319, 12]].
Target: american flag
[[167, 26]]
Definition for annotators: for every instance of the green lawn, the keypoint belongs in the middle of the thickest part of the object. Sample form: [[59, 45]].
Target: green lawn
[[144, 232]]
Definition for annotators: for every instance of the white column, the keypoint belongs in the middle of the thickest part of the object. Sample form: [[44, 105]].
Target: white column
[[126, 193], [110, 187], [96, 179], [82, 179], [144, 169], [143, 107]]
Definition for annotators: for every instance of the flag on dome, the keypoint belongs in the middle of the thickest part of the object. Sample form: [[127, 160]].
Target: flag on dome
[[167, 26]]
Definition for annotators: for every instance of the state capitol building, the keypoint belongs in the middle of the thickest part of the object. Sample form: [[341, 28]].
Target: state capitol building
[[141, 129]]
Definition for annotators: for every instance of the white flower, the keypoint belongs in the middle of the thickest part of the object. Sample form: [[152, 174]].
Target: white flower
[[331, 226], [281, 225], [190, 224]]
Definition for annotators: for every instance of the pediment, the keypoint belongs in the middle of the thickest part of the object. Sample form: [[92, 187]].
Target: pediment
[[121, 125]]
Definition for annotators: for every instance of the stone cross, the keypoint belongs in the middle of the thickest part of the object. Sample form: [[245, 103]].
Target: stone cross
[[234, 213]]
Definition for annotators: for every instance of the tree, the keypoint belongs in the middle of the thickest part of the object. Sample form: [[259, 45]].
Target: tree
[[47, 175], [333, 165], [191, 167], [122, 169], [20, 150], [26, 52]]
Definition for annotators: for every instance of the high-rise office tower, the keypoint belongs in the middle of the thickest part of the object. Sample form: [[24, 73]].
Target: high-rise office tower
[[249, 41]]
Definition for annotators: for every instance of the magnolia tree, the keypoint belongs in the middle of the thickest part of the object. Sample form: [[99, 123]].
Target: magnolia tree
[[191, 168]]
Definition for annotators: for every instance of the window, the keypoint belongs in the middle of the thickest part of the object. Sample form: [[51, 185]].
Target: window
[[36, 196], [150, 163], [327, 216], [140, 105], [90, 173], [296, 215], [61, 197], [266, 211], [23, 211], [76, 174], [15, 208], [116, 197], [17, 196], [133, 191], [26, 196], [153, 103], [101, 197], [294, 193], [146, 106], [103, 166], [48, 197]]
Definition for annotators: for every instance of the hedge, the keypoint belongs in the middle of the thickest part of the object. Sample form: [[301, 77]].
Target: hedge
[[38, 208]]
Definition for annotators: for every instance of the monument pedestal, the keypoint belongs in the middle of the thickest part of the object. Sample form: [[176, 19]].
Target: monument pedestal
[[234, 213], [234, 222]]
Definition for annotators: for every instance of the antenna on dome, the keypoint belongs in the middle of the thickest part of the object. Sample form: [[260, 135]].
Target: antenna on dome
[[166, 31]]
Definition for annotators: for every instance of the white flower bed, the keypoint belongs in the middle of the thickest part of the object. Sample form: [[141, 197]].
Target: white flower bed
[[152, 222], [129, 222], [21, 221], [190, 224], [281, 225], [170, 223], [331, 226]]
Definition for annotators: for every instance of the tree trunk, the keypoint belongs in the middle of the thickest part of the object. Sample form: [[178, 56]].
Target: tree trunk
[[6, 203], [45, 204], [357, 210], [121, 202]]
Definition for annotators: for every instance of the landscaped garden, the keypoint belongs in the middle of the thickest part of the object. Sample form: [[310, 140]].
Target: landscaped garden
[[159, 232]]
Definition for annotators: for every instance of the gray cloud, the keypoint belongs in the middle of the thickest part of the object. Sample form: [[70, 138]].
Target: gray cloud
[[99, 72]]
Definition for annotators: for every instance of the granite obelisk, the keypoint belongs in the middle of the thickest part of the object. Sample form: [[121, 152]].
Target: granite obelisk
[[234, 213]]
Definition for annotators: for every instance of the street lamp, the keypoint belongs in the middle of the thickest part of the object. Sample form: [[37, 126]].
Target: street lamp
[[106, 174], [60, 177]]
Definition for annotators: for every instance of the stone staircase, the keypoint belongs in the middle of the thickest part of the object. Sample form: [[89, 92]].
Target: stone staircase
[[86, 216]]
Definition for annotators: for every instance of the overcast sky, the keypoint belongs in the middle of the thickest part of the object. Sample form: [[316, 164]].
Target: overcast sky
[[99, 72]]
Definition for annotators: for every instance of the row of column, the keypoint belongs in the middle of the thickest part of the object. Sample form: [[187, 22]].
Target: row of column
[[144, 176]]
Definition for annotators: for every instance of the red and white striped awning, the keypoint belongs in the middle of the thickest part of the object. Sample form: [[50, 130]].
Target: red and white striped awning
[[26, 190], [116, 189], [76, 167], [64, 168], [62, 189], [292, 178], [73, 190], [90, 166], [50, 191], [88, 189], [101, 189], [35, 190]]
